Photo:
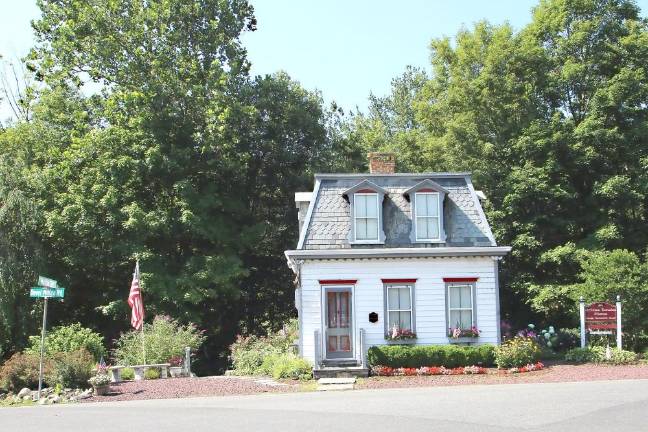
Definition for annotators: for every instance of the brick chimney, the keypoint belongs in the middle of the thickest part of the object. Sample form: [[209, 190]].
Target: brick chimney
[[382, 163]]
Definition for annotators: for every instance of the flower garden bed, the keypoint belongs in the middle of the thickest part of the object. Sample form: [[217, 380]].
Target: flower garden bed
[[440, 370], [552, 373]]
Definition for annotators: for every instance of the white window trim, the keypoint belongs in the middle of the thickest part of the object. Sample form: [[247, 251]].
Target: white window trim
[[355, 218], [438, 216], [389, 286], [472, 303]]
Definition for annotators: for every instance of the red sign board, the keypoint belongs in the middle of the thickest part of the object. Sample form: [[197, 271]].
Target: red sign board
[[600, 316]]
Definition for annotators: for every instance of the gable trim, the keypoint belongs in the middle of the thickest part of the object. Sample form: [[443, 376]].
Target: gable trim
[[398, 280], [460, 279], [480, 210], [309, 215], [338, 281]]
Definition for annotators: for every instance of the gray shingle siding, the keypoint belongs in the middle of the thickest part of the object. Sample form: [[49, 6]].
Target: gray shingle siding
[[331, 220]]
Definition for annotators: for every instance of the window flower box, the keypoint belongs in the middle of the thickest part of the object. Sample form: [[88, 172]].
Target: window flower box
[[400, 335], [466, 333], [463, 340]]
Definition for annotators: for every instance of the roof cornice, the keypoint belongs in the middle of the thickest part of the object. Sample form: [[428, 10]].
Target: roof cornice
[[422, 176], [459, 251]]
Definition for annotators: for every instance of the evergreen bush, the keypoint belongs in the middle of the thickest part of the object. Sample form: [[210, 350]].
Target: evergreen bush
[[415, 356]]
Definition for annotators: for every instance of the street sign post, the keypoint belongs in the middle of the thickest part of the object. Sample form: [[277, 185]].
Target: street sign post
[[48, 289], [43, 292], [47, 282]]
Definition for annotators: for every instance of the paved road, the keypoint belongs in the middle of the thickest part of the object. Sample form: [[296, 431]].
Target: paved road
[[611, 406]]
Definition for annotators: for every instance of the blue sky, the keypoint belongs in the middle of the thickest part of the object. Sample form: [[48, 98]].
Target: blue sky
[[345, 48]]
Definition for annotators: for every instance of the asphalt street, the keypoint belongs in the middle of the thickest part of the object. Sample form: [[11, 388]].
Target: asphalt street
[[611, 406]]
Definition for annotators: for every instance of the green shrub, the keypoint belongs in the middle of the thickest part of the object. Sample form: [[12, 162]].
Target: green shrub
[[70, 369], [163, 339], [21, 370], [127, 374], [152, 374], [597, 354], [69, 338], [415, 356], [621, 357], [579, 355], [248, 353], [286, 366], [517, 352]]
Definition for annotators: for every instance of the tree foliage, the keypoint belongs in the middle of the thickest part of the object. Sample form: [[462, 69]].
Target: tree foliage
[[552, 121]]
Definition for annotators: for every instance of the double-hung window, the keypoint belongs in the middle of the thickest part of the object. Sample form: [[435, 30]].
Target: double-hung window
[[427, 216], [366, 216], [400, 310], [460, 306]]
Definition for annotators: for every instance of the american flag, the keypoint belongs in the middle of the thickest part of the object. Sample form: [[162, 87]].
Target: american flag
[[135, 301]]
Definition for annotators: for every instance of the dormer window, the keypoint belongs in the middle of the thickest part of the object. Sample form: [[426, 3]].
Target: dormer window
[[366, 216], [426, 200], [428, 221], [365, 205]]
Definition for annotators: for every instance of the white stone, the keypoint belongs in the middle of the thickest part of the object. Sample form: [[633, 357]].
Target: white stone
[[24, 392]]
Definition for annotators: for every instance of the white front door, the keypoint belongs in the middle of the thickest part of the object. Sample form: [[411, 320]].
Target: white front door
[[338, 326]]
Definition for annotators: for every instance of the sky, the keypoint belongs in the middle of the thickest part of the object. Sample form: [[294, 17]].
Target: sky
[[347, 49]]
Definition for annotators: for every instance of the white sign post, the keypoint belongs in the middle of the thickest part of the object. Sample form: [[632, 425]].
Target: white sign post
[[618, 323], [582, 321]]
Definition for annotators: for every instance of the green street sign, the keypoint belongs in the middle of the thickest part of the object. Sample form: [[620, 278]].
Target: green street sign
[[47, 282], [42, 292]]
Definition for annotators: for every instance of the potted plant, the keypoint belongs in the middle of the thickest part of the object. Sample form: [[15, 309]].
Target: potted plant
[[458, 334], [176, 370], [100, 383], [397, 333]]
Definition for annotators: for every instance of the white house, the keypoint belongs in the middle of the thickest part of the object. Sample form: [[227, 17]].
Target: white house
[[385, 254]]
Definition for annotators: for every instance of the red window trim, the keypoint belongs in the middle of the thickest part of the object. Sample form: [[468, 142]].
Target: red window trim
[[366, 191], [338, 281], [426, 190], [460, 279], [398, 280]]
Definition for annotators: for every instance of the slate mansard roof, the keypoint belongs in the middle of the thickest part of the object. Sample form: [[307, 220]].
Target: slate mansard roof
[[328, 220]]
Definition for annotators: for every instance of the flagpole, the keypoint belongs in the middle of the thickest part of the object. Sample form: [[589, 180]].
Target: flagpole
[[137, 274]]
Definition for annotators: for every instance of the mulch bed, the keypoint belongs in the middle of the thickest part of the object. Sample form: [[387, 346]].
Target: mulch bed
[[555, 373], [188, 387]]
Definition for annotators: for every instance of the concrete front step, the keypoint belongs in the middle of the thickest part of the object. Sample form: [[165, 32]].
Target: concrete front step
[[335, 384], [341, 372]]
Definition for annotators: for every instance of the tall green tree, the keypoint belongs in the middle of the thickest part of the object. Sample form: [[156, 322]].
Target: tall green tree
[[178, 158]]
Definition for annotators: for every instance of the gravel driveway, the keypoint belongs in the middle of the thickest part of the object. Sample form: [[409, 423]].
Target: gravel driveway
[[187, 387], [556, 373]]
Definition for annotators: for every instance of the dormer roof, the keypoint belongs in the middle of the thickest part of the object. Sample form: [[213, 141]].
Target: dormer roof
[[364, 186], [426, 185]]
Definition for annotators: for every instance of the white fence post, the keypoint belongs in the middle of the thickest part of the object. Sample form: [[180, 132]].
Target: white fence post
[[618, 323], [187, 361], [318, 354], [582, 321]]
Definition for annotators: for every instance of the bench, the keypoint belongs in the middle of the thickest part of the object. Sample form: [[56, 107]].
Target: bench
[[115, 371]]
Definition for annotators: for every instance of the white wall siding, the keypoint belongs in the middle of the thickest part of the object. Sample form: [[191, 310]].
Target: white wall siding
[[430, 302]]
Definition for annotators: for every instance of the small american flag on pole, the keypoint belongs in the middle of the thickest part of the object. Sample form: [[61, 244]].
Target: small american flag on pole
[[135, 300]]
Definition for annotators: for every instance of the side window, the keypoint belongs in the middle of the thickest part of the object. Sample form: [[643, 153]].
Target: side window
[[460, 306], [366, 216], [400, 307]]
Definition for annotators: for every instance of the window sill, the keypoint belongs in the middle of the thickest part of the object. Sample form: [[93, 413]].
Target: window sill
[[401, 341], [369, 242], [463, 340]]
